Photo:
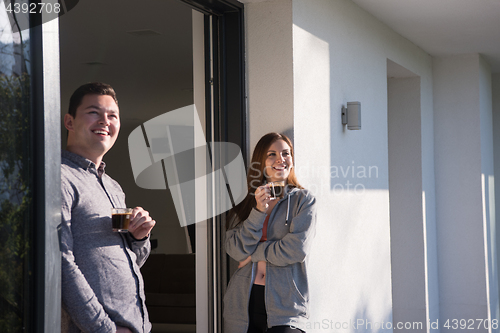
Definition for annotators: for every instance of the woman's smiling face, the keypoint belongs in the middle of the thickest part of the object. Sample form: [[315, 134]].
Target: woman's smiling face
[[278, 161]]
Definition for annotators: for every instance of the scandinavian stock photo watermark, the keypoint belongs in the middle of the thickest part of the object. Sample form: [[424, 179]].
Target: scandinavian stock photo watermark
[[342, 179], [364, 324], [170, 151]]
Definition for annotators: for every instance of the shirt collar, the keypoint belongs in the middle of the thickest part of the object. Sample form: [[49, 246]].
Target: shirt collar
[[83, 162]]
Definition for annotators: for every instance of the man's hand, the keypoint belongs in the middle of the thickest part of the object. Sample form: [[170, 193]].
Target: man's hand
[[120, 329], [140, 223]]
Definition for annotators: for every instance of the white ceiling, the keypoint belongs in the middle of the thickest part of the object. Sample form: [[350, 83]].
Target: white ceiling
[[444, 27], [145, 52]]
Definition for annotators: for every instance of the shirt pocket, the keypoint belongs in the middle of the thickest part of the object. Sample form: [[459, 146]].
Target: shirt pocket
[[118, 200]]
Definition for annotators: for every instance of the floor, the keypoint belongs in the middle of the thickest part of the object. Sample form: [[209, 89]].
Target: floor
[[172, 328]]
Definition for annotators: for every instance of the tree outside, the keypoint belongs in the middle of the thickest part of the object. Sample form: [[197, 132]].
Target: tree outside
[[15, 184]]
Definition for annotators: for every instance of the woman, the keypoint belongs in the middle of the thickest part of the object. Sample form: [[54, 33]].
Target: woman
[[271, 239]]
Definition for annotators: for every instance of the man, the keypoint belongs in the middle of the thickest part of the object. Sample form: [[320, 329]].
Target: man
[[102, 287]]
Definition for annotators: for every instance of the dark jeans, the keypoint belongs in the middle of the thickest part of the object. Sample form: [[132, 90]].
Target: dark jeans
[[258, 316]]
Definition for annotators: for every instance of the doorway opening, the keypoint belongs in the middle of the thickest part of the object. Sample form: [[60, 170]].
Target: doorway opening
[[408, 256], [160, 57]]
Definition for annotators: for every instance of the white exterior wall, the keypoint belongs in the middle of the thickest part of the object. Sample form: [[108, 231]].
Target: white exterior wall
[[269, 68], [338, 53]]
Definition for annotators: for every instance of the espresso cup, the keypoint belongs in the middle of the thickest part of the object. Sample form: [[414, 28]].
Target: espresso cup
[[120, 219], [277, 189]]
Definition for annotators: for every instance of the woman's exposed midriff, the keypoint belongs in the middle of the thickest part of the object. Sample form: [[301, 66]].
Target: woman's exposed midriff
[[260, 276]]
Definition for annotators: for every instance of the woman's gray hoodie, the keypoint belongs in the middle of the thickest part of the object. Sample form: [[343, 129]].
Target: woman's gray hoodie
[[290, 231]]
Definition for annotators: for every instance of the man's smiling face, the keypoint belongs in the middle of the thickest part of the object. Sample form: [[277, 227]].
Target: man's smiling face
[[94, 129]]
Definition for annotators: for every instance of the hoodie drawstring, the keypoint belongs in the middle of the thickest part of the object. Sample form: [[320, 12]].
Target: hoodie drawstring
[[287, 210]]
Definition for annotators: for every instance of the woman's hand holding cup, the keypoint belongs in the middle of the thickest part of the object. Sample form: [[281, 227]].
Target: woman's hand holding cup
[[262, 197]]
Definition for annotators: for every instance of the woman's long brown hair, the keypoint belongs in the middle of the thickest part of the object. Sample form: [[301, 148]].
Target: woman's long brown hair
[[256, 177]]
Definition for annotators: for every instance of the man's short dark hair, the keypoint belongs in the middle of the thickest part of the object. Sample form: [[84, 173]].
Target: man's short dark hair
[[94, 88]]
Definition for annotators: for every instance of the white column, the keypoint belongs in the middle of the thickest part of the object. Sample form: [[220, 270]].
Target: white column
[[496, 148], [464, 170]]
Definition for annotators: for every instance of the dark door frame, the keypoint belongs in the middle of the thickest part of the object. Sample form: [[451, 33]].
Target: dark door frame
[[46, 143], [226, 99]]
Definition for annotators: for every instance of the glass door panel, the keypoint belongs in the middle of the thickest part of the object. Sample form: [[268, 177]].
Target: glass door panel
[[16, 176]]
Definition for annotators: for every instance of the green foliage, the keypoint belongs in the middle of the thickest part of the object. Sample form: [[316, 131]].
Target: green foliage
[[15, 199]]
